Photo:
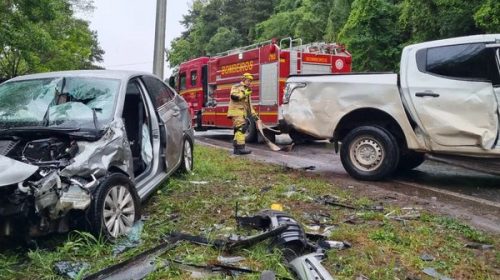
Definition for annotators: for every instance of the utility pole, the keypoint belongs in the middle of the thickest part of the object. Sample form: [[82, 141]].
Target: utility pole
[[161, 22]]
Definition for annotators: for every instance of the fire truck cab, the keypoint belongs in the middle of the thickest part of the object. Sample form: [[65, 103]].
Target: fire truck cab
[[205, 82]]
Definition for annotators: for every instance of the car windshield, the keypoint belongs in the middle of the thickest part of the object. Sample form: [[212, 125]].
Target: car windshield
[[81, 102]]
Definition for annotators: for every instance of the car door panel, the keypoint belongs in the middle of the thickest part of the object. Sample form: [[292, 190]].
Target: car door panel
[[455, 111]]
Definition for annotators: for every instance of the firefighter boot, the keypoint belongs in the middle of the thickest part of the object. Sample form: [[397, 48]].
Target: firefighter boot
[[240, 150]]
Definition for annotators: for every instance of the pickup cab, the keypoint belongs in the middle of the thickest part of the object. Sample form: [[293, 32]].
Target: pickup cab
[[443, 105]]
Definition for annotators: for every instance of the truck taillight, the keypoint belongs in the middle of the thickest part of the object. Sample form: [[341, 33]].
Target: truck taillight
[[290, 87]]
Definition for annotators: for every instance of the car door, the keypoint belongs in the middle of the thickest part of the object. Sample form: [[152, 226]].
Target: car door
[[169, 113], [453, 94]]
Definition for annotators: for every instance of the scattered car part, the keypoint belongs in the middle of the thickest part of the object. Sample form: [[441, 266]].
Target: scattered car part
[[131, 240], [309, 267], [433, 273], [298, 251], [136, 267], [73, 270], [271, 145], [230, 260], [479, 246]]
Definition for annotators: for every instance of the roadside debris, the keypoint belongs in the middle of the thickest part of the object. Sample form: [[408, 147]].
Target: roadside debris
[[199, 182], [72, 270], [479, 246], [230, 260], [339, 245], [427, 257], [335, 201], [131, 240], [433, 273], [138, 266], [261, 127], [212, 270], [409, 213], [267, 275]]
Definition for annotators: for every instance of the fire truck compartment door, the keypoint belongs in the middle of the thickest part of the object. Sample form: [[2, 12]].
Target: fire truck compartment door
[[312, 68], [269, 84]]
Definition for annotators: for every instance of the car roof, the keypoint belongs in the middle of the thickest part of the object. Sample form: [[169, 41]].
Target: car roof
[[110, 74], [482, 38]]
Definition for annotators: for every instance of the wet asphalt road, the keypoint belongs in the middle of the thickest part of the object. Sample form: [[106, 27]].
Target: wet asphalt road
[[462, 193], [321, 155]]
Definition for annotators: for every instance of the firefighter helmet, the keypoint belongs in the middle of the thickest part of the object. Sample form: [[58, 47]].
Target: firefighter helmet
[[247, 76]]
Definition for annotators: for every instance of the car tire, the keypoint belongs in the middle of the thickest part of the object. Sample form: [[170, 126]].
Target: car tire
[[251, 133], [410, 160], [369, 153], [115, 208], [187, 161]]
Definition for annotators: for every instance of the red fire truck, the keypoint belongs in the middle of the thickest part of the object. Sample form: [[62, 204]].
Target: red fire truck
[[205, 82]]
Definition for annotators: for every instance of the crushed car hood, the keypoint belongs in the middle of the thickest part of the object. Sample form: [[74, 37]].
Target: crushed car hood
[[13, 171]]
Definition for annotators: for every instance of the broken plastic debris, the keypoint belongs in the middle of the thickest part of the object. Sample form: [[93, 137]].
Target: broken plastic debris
[[479, 246], [131, 240], [426, 257], [433, 273], [69, 269], [198, 182], [277, 207], [267, 275], [339, 245], [230, 260]]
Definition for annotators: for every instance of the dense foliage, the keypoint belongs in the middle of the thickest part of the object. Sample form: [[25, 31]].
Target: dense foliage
[[45, 35], [375, 31]]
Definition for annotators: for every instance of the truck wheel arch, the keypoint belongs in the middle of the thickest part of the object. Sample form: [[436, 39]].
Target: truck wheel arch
[[368, 116]]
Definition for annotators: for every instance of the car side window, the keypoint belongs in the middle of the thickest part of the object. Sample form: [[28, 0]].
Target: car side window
[[194, 77], [158, 91], [467, 61]]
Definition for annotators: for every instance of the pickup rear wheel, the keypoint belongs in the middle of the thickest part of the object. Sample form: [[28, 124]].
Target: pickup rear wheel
[[369, 153]]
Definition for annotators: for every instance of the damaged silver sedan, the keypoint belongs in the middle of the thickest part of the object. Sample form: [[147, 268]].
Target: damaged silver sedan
[[84, 148]]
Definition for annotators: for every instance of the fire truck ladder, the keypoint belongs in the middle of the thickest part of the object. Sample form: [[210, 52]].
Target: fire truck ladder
[[295, 59], [245, 48]]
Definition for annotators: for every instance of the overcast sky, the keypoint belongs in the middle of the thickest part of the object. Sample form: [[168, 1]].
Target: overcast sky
[[126, 30]]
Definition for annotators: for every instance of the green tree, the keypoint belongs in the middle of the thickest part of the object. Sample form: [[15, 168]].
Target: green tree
[[488, 16], [223, 40], [371, 35], [44, 35], [339, 13]]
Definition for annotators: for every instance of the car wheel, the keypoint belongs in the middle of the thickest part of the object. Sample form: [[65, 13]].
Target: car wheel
[[251, 133], [369, 153], [187, 157], [115, 208], [410, 160]]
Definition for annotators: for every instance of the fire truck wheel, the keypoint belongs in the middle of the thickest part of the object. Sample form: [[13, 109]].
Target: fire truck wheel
[[251, 133]]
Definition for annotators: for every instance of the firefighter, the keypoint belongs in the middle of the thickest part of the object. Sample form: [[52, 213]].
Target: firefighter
[[240, 108]]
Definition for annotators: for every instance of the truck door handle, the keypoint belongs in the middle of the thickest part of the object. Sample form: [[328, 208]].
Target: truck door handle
[[424, 94]]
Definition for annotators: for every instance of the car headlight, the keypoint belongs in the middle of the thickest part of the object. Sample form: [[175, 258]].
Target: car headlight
[[290, 87]]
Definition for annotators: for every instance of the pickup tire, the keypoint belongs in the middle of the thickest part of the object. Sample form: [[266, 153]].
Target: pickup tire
[[410, 160], [369, 153]]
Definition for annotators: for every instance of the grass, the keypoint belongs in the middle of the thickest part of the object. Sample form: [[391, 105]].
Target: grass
[[382, 248]]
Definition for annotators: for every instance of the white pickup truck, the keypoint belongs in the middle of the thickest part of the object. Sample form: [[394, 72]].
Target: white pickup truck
[[443, 104]]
